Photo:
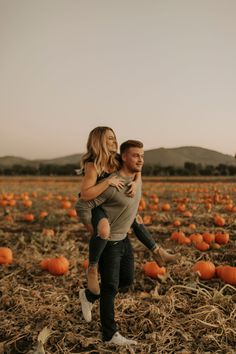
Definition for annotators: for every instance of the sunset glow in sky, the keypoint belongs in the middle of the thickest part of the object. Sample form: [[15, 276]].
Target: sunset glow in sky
[[160, 71]]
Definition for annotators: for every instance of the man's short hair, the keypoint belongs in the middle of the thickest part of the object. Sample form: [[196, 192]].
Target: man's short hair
[[129, 144]]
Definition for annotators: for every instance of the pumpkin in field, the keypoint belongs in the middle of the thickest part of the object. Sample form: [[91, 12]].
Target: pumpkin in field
[[228, 274], [58, 265], [219, 220], [205, 269], [219, 271], [176, 235], [142, 204], [48, 232], [85, 264], [27, 203], [72, 213], [183, 240], [28, 217], [222, 238], [196, 238], [165, 207], [208, 237], [43, 214], [152, 269], [66, 204], [55, 266], [176, 223], [44, 263], [181, 207], [202, 246], [6, 256]]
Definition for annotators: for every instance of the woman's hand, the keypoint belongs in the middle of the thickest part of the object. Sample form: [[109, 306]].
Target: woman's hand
[[116, 182], [132, 188]]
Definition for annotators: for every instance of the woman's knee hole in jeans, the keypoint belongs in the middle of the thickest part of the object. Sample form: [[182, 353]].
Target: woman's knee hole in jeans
[[139, 219], [103, 229]]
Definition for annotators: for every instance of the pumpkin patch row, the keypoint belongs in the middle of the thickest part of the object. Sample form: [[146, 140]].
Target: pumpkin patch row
[[207, 270]]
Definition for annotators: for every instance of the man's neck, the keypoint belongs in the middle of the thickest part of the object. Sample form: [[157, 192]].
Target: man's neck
[[126, 172]]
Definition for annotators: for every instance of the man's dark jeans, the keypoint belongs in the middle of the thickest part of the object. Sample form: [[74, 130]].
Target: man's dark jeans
[[116, 267], [97, 244]]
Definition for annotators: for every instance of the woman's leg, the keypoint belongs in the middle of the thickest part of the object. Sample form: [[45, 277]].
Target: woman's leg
[[142, 233], [97, 244]]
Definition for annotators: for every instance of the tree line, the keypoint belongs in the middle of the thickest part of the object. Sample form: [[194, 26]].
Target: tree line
[[189, 169]]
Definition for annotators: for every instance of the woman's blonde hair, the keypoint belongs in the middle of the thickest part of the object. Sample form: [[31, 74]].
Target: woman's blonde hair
[[98, 153]]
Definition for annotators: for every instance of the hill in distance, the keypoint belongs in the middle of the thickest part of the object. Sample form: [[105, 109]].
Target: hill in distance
[[161, 156]]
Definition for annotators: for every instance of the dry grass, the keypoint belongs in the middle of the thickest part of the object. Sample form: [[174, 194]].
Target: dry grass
[[41, 313]]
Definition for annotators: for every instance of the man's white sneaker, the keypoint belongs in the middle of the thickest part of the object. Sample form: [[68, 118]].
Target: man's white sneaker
[[86, 306], [118, 339]]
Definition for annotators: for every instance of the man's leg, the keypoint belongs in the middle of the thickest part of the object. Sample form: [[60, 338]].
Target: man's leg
[[127, 266], [116, 255], [109, 267]]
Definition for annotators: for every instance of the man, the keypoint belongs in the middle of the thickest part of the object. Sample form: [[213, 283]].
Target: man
[[116, 263]]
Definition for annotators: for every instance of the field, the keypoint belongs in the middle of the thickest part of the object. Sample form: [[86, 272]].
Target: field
[[175, 313]]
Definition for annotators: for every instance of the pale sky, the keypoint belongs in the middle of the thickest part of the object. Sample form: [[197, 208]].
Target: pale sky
[[160, 71]]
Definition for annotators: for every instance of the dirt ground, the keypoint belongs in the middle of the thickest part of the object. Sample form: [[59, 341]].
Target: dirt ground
[[179, 313]]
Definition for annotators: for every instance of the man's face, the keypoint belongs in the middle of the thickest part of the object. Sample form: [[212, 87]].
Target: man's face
[[133, 159]]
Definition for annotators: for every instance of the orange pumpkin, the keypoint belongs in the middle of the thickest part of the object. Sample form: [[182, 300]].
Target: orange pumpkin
[[196, 238], [48, 232], [205, 269], [27, 203], [43, 214], [66, 204], [181, 207], [228, 275], [142, 204], [72, 213], [219, 271], [152, 269], [192, 226], [183, 240], [219, 220], [208, 237], [202, 246], [222, 238], [176, 223], [176, 234], [6, 256], [85, 264], [44, 263], [187, 214], [58, 265], [165, 207], [28, 217], [147, 219]]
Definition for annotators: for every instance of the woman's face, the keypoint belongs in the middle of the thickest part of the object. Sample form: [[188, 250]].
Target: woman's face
[[111, 141]]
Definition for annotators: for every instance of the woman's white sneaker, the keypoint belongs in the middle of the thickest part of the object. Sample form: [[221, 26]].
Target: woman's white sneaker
[[118, 339], [86, 306]]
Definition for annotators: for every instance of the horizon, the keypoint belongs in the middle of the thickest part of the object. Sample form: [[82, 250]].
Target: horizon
[[145, 150]]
